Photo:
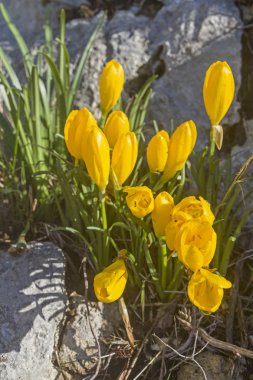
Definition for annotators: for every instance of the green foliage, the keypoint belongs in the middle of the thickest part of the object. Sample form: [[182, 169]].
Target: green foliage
[[35, 109]]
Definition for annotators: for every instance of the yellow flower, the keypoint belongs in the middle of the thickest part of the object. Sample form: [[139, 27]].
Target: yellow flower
[[110, 84], [157, 151], [97, 157], [205, 290], [190, 208], [180, 147], [110, 283], [124, 156], [77, 125], [218, 91], [116, 124], [140, 200], [161, 214], [195, 244]]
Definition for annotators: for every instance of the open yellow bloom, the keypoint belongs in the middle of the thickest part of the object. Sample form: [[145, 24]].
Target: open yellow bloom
[[97, 157], [110, 85], [180, 147], [195, 244], [190, 208], [78, 124], [110, 283], [124, 156], [157, 151], [218, 91], [161, 214], [116, 124], [205, 290], [140, 200]]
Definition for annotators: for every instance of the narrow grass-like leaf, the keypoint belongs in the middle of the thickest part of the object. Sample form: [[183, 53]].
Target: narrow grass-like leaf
[[6, 62], [83, 59], [19, 39]]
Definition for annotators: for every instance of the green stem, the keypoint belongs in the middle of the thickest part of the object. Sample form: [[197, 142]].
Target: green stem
[[76, 162], [163, 263], [177, 278], [102, 120], [181, 185], [210, 180], [152, 270], [104, 225]]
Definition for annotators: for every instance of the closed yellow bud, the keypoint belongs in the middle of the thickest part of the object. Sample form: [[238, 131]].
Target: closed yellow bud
[[218, 91], [205, 290], [110, 283], [195, 244], [116, 124], [97, 157], [180, 147], [161, 215], [110, 85], [124, 156], [140, 200], [157, 151], [77, 125]]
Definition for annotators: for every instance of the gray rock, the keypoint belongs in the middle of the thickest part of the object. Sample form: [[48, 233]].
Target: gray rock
[[190, 34], [76, 350], [216, 367], [194, 34], [31, 306]]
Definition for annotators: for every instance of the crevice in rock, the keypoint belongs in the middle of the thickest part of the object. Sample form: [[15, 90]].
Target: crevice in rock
[[90, 8], [154, 66]]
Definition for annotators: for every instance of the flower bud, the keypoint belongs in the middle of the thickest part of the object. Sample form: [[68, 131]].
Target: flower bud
[[218, 91], [110, 283], [77, 125], [140, 200], [124, 156], [157, 151], [180, 147], [205, 290], [110, 85], [116, 124], [97, 157], [161, 215]]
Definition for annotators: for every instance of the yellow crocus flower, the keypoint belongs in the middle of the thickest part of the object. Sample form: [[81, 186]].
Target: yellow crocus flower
[[97, 157], [218, 91], [124, 156], [140, 200], [180, 147], [157, 151], [205, 290], [116, 124], [161, 214], [195, 244], [189, 208], [78, 124], [110, 85], [110, 283]]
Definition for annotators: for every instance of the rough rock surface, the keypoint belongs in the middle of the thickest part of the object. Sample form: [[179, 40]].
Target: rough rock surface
[[216, 367], [76, 349], [181, 40], [32, 303]]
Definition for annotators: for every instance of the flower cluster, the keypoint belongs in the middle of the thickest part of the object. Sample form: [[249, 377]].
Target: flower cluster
[[187, 229], [86, 141], [110, 153]]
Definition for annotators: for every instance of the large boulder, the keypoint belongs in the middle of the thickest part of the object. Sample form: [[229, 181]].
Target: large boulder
[[179, 42], [32, 304]]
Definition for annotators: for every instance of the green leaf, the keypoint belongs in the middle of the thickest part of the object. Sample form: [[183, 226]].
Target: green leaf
[[79, 71], [19, 39]]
